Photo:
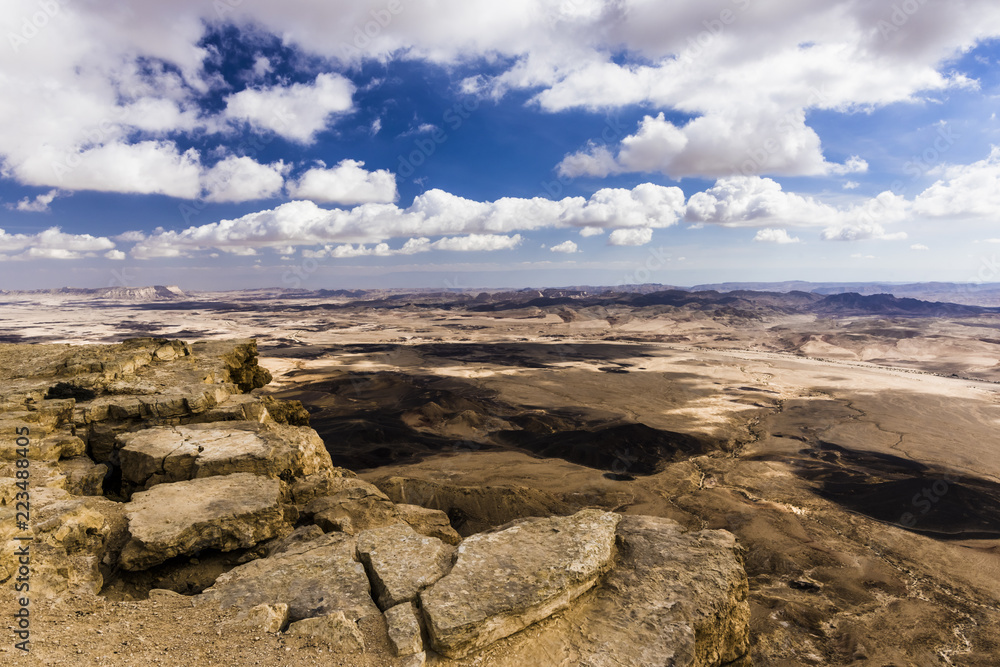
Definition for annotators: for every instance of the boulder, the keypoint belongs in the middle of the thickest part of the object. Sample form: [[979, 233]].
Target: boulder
[[673, 598], [430, 522], [400, 562], [353, 507], [336, 630], [687, 593], [503, 581], [225, 513], [265, 617], [82, 476], [404, 630], [177, 453], [312, 578], [76, 540]]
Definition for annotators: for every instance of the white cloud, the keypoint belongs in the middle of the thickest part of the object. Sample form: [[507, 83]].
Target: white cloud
[[40, 204], [964, 191], [52, 244], [851, 185], [261, 67], [434, 213], [347, 183], [780, 236], [297, 112], [131, 236], [135, 72], [919, 246], [631, 236], [116, 255], [470, 243], [147, 167], [760, 202], [859, 255], [591, 231], [853, 165], [478, 243], [567, 247], [237, 179]]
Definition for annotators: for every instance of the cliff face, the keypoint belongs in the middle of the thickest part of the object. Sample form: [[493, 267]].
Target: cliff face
[[154, 464]]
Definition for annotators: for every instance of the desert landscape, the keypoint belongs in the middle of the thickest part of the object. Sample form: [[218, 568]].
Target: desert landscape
[[704, 477]]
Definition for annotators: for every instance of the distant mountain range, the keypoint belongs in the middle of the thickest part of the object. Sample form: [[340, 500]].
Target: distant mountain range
[[824, 299], [116, 293]]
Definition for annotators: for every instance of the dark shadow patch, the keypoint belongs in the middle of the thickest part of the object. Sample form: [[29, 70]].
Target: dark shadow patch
[[936, 502], [369, 420], [70, 390]]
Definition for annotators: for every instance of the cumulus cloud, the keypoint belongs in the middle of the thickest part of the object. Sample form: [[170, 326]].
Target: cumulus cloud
[[470, 243], [591, 231], [52, 243], [40, 204], [347, 183], [136, 72], [115, 255], [567, 247], [147, 167], [964, 191], [434, 213], [237, 179], [132, 236], [710, 146], [919, 246], [780, 236], [761, 202], [631, 236], [297, 112]]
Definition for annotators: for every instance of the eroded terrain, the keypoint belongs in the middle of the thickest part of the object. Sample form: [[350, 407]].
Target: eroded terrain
[[849, 446]]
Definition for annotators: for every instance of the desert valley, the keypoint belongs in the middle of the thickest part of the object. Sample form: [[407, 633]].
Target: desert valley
[[796, 477]]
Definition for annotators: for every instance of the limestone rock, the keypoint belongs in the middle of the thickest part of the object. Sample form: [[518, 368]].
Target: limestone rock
[[82, 476], [171, 454], [225, 513], [673, 598], [404, 630], [506, 580], [312, 578], [689, 589], [430, 522], [335, 629], [355, 507], [301, 535], [267, 617], [323, 483], [400, 562], [76, 540]]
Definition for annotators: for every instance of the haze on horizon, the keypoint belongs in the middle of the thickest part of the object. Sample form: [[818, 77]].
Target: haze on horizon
[[245, 143]]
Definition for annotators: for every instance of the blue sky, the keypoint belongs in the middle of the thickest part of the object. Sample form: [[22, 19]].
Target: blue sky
[[244, 143]]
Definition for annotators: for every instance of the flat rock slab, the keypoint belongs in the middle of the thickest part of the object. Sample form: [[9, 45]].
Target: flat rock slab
[[227, 512], [400, 562], [178, 453], [504, 581], [314, 578], [673, 598]]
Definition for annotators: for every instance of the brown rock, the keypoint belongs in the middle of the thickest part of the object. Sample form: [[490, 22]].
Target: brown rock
[[225, 513], [400, 562]]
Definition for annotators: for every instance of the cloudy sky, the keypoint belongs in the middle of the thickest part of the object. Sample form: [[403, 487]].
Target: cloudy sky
[[219, 144]]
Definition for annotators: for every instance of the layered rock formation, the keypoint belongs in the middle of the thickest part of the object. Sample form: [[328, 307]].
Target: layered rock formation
[[151, 456]]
